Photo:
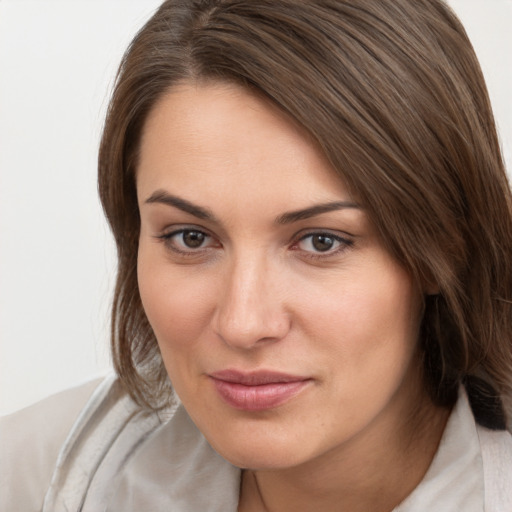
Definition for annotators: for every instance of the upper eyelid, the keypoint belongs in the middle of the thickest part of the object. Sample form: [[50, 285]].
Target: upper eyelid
[[343, 235], [217, 233], [303, 233], [340, 239], [180, 228]]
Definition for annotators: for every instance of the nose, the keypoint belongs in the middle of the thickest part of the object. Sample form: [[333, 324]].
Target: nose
[[251, 308]]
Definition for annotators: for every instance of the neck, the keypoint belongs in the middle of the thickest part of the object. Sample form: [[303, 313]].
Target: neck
[[376, 470]]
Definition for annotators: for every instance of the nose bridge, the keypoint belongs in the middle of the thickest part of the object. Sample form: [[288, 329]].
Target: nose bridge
[[249, 310]]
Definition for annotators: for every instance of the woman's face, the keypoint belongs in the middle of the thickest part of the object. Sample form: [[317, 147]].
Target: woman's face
[[287, 329]]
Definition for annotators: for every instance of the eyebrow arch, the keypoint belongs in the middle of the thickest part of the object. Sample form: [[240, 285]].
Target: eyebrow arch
[[306, 213], [162, 197]]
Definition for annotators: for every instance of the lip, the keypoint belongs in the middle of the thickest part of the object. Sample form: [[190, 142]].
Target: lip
[[257, 391]]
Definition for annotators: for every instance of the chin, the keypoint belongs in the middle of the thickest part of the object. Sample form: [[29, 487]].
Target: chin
[[262, 452], [269, 459]]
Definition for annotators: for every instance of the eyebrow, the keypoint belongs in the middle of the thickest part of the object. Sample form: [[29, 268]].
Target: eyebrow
[[306, 213], [162, 197]]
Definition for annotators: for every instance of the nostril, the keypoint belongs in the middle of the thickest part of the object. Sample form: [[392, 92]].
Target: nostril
[[246, 329]]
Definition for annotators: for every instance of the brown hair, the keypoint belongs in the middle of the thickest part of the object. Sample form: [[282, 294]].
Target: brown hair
[[393, 93]]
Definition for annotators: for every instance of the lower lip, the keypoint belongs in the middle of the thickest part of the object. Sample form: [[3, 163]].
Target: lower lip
[[258, 398]]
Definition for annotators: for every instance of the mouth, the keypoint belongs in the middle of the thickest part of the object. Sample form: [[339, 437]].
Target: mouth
[[257, 391]]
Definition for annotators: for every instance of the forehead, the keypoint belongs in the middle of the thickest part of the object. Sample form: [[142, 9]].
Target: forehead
[[217, 136]]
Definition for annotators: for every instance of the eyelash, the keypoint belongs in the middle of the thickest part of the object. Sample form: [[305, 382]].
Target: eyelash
[[166, 238], [344, 243]]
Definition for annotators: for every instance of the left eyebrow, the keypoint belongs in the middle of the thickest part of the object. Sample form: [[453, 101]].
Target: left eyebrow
[[306, 213]]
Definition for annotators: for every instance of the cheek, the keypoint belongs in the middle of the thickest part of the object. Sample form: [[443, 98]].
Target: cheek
[[370, 326], [177, 309]]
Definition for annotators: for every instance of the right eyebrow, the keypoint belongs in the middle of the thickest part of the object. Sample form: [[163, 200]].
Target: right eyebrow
[[162, 197]]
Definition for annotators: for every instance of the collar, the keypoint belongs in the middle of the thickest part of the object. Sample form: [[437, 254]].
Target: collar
[[455, 478], [177, 470]]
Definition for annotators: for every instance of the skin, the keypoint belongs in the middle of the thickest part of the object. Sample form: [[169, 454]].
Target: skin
[[253, 291]]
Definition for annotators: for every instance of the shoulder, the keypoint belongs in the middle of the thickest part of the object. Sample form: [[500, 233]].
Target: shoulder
[[30, 443], [496, 449], [120, 456]]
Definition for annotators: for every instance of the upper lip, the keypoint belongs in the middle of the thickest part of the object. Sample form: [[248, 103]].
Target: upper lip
[[255, 378]]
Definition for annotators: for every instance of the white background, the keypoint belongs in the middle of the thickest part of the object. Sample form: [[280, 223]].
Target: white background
[[57, 262]]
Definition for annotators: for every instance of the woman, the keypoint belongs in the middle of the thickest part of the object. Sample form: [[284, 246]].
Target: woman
[[312, 309]]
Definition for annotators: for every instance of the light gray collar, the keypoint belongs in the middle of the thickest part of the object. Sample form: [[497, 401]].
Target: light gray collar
[[454, 481], [177, 470]]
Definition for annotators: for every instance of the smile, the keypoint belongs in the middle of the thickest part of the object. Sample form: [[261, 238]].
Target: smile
[[257, 391]]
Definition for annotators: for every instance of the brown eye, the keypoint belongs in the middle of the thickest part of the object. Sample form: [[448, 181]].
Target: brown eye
[[322, 243], [193, 239], [319, 242], [188, 241]]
